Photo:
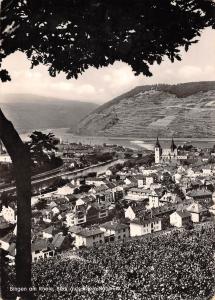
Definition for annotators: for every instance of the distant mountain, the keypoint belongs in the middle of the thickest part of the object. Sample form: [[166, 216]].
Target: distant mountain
[[38, 112], [182, 110]]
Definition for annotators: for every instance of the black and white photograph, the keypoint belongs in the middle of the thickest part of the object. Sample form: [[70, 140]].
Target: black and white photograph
[[107, 150]]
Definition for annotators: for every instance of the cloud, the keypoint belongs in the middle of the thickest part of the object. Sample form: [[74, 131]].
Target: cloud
[[86, 89], [194, 73], [62, 86]]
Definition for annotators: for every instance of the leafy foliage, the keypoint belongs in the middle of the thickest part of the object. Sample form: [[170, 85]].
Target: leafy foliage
[[70, 35], [42, 146]]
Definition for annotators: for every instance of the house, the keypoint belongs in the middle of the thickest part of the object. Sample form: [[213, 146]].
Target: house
[[47, 215], [5, 227], [212, 210], [130, 213], [154, 198], [196, 211], [169, 197], [148, 172], [118, 193], [114, 231], [89, 237], [141, 226], [70, 216], [141, 180], [74, 229], [180, 218], [94, 181], [104, 197], [149, 181], [52, 204], [202, 196], [40, 249], [137, 194], [61, 242], [55, 211], [135, 210], [11, 253], [48, 232], [5, 241], [86, 213], [130, 180]]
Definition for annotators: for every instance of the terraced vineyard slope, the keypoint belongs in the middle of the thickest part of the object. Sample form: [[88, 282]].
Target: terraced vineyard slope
[[183, 110]]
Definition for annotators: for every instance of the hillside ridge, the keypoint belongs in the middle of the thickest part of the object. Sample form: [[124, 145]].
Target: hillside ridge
[[183, 110]]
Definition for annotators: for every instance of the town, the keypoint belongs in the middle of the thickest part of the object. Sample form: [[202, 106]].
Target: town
[[140, 194]]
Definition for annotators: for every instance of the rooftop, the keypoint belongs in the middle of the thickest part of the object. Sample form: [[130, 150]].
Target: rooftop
[[113, 225], [90, 232]]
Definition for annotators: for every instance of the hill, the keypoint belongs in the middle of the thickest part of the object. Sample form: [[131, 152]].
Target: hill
[[33, 111], [182, 110]]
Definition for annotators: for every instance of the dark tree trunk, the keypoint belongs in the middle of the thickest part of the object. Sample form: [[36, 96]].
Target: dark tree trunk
[[20, 156]]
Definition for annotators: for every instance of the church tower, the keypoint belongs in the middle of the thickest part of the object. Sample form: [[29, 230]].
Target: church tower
[[158, 152], [174, 148]]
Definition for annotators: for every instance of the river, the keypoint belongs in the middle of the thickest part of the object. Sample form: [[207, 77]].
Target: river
[[134, 143]]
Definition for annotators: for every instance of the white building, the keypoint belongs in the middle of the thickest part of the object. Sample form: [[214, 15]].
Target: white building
[[140, 227], [129, 213], [180, 218], [153, 200], [89, 237], [149, 181]]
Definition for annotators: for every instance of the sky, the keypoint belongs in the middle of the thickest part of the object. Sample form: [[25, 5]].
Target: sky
[[99, 86]]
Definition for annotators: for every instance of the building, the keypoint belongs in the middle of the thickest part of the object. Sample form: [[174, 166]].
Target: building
[[40, 249], [202, 196], [89, 237], [134, 211], [48, 232], [61, 242], [180, 218], [171, 154], [114, 231], [94, 181], [5, 241], [154, 199], [196, 211], [143, 226], [137, 194]]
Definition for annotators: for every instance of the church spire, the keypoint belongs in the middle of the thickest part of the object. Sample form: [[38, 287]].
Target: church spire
[[173, 145], [157, 145]]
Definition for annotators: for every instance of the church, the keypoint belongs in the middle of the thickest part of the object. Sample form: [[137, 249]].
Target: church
[[167, 154]]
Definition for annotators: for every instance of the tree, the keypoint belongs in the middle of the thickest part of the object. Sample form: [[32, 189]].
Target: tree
[[42, 146], [71, 36]]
